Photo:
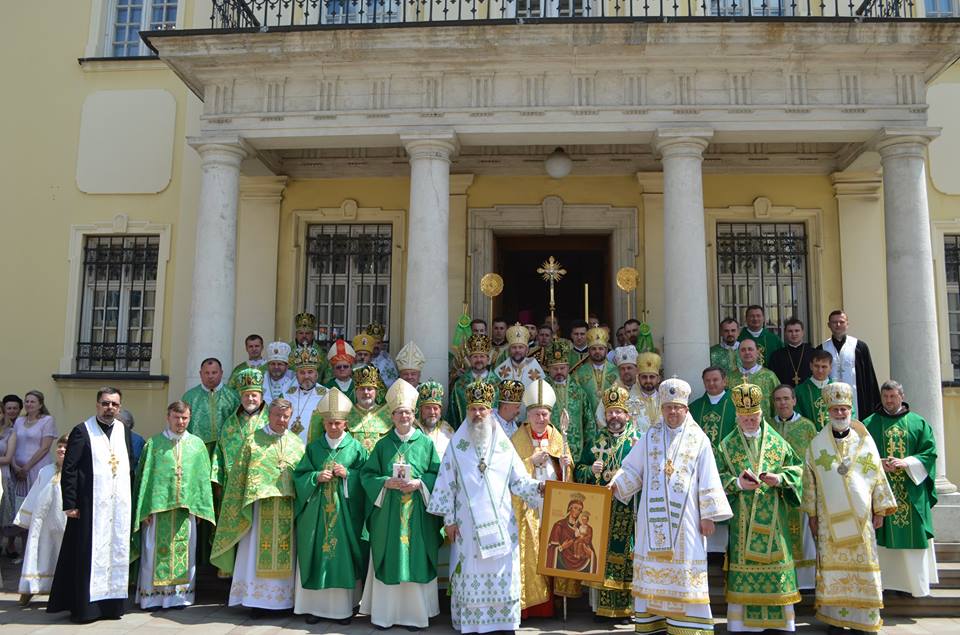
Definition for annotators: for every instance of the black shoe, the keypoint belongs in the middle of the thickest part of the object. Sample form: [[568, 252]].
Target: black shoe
[[413, 629], [312, 619], [345, 621], [381, 628], [258, 614]]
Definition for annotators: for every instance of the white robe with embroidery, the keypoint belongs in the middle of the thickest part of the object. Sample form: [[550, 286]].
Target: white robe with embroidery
[[42, 516]]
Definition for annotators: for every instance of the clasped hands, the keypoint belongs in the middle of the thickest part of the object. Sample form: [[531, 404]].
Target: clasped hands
[[540, 456], [893, 464], [402, 485], [748, 484], [325, 476]]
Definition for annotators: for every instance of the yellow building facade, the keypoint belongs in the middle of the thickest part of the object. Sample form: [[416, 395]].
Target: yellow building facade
[[162, 208]]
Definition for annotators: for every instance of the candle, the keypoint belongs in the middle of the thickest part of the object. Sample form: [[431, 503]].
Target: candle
[[586, 302]]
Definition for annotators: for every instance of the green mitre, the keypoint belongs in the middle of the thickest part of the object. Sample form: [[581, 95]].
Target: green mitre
[[250, 379], [431, 392]]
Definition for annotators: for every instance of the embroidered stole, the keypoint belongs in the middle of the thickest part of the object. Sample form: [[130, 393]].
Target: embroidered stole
[[845, 510], [110, 534], [670, 471], [760, 542], [485, 490], [844, 364]]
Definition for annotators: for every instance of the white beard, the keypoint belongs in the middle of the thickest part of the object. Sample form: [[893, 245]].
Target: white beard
[[751, 435], [481, 431], [366, 404], [840, 425], [250, 411]]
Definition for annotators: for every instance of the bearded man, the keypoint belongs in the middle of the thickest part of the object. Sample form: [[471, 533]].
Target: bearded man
[[429, 407], [518, 366], [480, 462], [279, 378]]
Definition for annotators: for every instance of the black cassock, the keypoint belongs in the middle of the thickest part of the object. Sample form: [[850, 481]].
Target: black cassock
[[868, 390], [789, 361], [71, 582]]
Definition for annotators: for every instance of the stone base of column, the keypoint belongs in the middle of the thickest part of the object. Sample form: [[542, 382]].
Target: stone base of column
[[944, 486], [946, 517]]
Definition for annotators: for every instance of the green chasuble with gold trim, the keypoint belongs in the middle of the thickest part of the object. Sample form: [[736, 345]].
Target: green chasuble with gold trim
[[798, 431], [594, 381], [717, 420], [366, 426], [768, 342], [903, 435], [765, 378], [725, 358], [573, 398], [172, 482], [457, 406], [329, 516], [760, 566], [233, 434], [208, 411], [810, 403], [615, 598], [264, 473], [350, 392], [404, 538]]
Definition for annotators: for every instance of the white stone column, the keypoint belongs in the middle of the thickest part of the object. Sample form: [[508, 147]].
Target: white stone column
[[911, 299], [426, 305], [214, 272], [686, 338]]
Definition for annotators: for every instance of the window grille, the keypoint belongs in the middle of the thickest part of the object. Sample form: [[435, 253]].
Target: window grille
[[348, 277], [118, 300], [951, 252], [763, 264], [132, 16]]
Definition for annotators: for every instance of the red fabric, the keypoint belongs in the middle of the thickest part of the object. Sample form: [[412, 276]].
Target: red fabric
[[539, 437], [539, 610]]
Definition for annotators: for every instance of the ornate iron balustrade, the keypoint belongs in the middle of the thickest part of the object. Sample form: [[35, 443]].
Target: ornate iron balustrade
[[266, 14]]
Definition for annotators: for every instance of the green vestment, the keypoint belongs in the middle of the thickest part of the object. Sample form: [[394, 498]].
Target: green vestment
[[903, 435], [234, 431], [404, 538], [324, 369], [366, 426], [208, 411], [725, 358], [329, 516], [717, 420], [264, 472], [172, 482], [573, 398], [350, 392], [457, 406], [232, 380], [765, 378], [798, 432], [615, 599], [594, 381], [767, 343], [760, 567]]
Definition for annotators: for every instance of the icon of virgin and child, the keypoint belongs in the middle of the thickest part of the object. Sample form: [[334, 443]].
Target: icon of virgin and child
[[570, 546]]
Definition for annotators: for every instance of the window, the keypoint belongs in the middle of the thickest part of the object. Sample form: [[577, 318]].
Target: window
[[129, 17], [941, 8], [765, 264], [118, 304], [752, 7], [548, 8], [951, 259], [369, 12], [348, 277]]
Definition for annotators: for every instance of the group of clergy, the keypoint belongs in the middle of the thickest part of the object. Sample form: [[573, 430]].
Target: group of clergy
[[325, 496]]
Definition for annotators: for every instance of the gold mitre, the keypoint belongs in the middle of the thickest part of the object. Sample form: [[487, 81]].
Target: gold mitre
[[539, 394], [477, 343], [410, 357], [598, 337], [674, 390], [305, 322], [364, 342], [306, 357], [402, 395], [747, 398], [518, 334], [366, 376], [376, 330], [837, 394], [558, 353], [511, 391], [648, 363], [480, 393], [335, 405], [615, 397]]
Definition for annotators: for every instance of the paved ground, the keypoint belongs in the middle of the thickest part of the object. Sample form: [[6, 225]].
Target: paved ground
[[211, 618]]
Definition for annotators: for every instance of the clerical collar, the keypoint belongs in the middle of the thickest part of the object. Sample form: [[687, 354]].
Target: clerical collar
[[904, 409], [344, 385], [406, 437], [730, 347], [597, 366], [539, 437], [838, 344], [749, 371], [560, 382], [256, 363], [648, 395], [270, 431], [580, 350], [479, 375], [793, 417], [107, 424], [334, 443], [819, 383], [754, 333], [841, 435], [800, 345], [172, 435], [715, 399], [500, 343], [217, 389], [305, 390]]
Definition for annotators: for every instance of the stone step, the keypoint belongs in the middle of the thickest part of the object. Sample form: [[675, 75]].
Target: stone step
[[947, 551], [949, 574]]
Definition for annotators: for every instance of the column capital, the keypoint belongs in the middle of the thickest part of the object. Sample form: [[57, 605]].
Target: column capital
[[682, 141], [856, 185], [431, 144], [262, 188], [226, 150], [912, 141]]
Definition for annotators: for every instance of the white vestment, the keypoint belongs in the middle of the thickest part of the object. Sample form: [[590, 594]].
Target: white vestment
[[110, 535], [250, 590], [168, 596], [277, 389], [304, 403], [526, 372], [331, 604], [41, 514], [485, 591], [677, 466], [844, 367]]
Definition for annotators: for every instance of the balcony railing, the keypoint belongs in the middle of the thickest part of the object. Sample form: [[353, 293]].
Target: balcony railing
[[264, 14]]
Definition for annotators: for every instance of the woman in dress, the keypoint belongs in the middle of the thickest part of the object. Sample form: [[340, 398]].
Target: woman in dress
[[35, 431], [12, 405]]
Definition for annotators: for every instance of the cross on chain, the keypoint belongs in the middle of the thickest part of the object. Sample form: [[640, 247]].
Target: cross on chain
[[114, 463]]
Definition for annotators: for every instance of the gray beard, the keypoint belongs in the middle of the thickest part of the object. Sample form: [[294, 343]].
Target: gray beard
[[430, 423], [840, 424], [481, 431], [366, 404]]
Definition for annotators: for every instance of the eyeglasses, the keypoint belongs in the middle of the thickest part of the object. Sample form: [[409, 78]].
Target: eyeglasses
[[109, 404]]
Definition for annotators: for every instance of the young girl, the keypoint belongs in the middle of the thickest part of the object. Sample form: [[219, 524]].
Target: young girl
[[42, 515]]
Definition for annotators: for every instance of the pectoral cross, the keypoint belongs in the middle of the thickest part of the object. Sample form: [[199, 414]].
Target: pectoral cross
[[668, 468], [482, 466], [114, 463], [601, 451], [796, 379]]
